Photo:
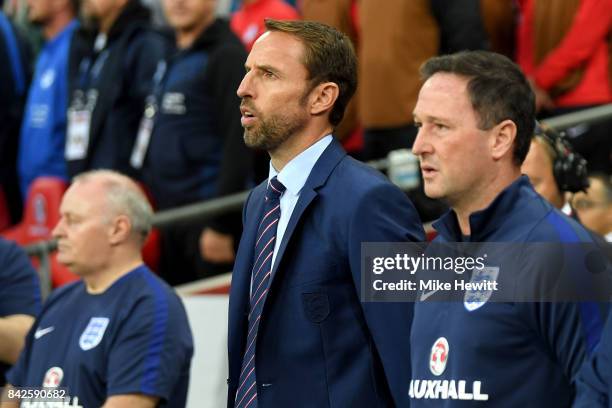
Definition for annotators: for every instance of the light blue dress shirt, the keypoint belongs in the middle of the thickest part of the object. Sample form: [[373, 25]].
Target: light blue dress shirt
[[294, 176]]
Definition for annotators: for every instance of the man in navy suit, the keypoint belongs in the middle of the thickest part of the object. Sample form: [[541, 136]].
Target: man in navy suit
[[299, 336]]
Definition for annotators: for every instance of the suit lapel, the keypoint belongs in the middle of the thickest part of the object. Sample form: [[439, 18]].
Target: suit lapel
[[317, 178], [241, 276]]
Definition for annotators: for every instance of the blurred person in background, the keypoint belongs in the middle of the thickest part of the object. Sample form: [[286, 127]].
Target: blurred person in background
[[395, 38], [564, 49], [248, 21], [14, 82], [190, 144], [43, 131], [112, 62], [554, 169], [594, 207], [17, 11], [19, 302], [157, 12], [119, 337]]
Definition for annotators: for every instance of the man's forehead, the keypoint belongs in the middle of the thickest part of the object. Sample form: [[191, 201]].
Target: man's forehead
[[446, 82], [276, 46], [82, 195], [443, 95]]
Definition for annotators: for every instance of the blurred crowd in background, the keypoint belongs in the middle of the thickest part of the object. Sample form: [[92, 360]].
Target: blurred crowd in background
[[148, 88]]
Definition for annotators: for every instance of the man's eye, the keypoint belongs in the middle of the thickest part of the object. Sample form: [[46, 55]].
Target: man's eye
[[71, 220]]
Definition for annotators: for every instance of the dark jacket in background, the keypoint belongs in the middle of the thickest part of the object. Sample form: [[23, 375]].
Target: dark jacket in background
[[14, 82], [122, 82], [197, 149]]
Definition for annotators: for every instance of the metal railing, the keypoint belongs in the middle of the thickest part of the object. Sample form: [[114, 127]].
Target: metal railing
[[211, 208]]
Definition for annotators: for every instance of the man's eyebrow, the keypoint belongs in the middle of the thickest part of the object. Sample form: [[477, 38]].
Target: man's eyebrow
[[429, 118], [266, 67]]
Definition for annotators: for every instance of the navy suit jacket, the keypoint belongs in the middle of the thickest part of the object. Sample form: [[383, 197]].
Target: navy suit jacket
[[317, 344]]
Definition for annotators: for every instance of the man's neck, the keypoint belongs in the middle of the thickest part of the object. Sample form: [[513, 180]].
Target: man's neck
[[100, 281], [185, 38], [295, 145], [482, 197], [106, 23], [57, 25]]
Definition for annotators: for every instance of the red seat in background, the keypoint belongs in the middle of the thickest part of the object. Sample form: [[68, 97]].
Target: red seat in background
[[40, 211]]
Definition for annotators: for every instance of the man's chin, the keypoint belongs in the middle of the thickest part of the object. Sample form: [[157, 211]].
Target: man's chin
[[251, 140], [63, 259], [432, 191]]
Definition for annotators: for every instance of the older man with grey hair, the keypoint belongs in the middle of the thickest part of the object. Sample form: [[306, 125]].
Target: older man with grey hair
[[119, 337]]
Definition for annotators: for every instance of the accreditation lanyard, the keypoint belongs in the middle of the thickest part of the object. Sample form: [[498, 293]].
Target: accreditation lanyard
[[82, 105], [145, 129]]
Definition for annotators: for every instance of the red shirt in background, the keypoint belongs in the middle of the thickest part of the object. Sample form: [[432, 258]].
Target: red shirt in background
[[585, 44], [248, 21]]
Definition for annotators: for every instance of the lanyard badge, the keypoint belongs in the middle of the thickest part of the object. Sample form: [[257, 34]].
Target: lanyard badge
[[148, 119], [79, 124]]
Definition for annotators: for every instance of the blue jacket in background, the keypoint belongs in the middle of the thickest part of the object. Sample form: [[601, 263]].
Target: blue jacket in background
[[43, 131]]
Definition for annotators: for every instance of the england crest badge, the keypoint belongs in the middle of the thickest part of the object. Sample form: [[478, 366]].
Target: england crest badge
[[480, 288], [93, 333]]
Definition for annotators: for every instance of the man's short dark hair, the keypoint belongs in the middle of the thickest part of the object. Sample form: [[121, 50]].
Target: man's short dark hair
[[329, 57], [497, 89]]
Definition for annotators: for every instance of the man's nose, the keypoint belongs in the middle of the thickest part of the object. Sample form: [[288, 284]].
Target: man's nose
[[244, 89]]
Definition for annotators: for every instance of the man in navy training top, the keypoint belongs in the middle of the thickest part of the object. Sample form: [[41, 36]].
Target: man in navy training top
[[19, 302], [594, 383], [475, 114], [120, 336]]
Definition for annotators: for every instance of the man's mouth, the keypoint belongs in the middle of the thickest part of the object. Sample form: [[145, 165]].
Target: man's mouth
[[428, 170], [248, 116]]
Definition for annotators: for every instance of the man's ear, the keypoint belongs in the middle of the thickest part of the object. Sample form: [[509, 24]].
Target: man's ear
[[120, 230], [503, 137], [323, 97]]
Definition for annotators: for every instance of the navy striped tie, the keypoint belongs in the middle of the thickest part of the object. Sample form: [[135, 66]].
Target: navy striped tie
[[246, 394]]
